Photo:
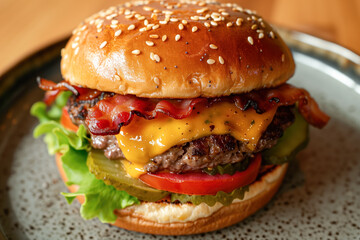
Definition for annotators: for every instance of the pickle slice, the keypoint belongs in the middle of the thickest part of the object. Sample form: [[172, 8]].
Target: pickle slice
[[113, 173], [221, 197], [230, 168], [295, 138]]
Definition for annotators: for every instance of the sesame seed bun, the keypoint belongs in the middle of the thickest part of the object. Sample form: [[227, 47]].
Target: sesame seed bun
[[260, 193], [178, 50]]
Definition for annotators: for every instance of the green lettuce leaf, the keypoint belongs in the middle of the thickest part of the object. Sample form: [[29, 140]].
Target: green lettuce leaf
[[100, 199]]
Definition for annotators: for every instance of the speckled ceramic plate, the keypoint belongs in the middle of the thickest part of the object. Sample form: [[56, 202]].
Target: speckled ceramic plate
[[318, 200]]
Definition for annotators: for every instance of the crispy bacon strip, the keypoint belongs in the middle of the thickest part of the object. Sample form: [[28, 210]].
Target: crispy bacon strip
[[109, 115], [284, 95], [53, 89]]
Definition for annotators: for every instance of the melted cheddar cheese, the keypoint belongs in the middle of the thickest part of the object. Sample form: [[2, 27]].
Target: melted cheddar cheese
[[143, 139]]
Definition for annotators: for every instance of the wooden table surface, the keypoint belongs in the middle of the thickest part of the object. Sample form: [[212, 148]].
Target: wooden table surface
[[27, 26]]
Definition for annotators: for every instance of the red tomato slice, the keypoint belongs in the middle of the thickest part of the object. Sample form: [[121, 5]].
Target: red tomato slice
[[66, 121], [202, 183]]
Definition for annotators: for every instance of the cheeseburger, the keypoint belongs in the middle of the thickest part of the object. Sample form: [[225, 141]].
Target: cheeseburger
[[174, 117]]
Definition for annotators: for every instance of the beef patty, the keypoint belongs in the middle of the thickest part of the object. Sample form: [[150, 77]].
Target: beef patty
[[208, 151]]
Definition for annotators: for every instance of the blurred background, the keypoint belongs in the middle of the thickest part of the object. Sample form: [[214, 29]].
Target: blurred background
[[27, 26]]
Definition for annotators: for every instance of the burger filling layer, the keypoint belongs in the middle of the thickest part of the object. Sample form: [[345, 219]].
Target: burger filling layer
[[204, 152]]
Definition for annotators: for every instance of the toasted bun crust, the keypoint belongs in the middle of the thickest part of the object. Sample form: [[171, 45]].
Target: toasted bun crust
[[176, 50], [260, 193]]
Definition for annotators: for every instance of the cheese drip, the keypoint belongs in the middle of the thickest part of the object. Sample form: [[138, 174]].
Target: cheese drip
[[144, 139]]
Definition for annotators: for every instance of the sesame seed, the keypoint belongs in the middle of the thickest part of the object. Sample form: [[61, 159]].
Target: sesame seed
[[181, 26], [194, 29], [272, 35], [114, 21], [155, 26], [167, 12], [262, 24], [250, 40], [146, 22], [103, 44], [201, 4], [113, 26], [136, 52], [213, 23], [152, 56], [117, 33], [177, 37], [282, 57], [149, 43], [141, 18], [156, 58], [239, 21], [148, 9], [202, 10], [248, 11], [174, 20], [195, 18], [131, 27], [210, 61], [253, 27], [156, 80], [74, 45], [163, 38], [225, 13], [207, 24], [261, 35], [163, 22], [129, 16], [154, 36], [117, 77], [229, 24], [213, 46], [76, 51], [184, 22], [142, 29], [221, 60], [238, 9]]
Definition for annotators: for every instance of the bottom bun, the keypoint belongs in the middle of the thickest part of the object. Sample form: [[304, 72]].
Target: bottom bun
[[260, 192]]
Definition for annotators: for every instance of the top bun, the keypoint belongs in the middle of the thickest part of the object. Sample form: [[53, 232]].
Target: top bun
[[186, 49]]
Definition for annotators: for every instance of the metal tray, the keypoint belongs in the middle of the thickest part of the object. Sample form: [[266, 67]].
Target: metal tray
[[318, 200]]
